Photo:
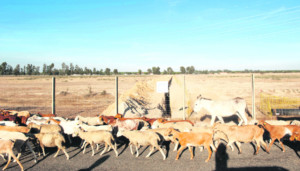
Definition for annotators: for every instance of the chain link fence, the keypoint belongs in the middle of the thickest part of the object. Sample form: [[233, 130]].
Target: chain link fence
[[138, 95]]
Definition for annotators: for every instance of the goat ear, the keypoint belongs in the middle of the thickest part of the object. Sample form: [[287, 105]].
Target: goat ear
[[199, 97]]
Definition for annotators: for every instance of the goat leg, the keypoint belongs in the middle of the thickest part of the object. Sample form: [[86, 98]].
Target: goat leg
[[31, 150], [83, 144], [67, 155], [176, 145], [213, 118], [92, 145], [58, 149], [109, 147], [131, 149], [283, 149], [104, 149], [209, 153], [11, 154], [273, 139], [9, 159], [43, 149], [162, 152], [238, 144], [191, 151], [3, 157], [179, 151], [115, 149], [137, 150], [84, 147], [151, 151]]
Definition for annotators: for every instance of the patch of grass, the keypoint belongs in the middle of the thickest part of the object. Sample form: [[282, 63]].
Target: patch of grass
[[103, 92], [64, 93]]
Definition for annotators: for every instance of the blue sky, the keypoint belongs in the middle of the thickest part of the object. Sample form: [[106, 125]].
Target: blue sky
[[138, 34]]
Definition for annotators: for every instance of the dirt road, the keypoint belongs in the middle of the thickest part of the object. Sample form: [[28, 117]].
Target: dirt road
[[222, 160]]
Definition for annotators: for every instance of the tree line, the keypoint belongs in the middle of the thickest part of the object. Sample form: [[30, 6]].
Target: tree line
[[29, 69]]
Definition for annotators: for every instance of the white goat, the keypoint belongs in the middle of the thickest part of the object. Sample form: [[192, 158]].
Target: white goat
[[295, 122], [8, 123], [89, 120], [88, 128], [97, 137], [142, 138]]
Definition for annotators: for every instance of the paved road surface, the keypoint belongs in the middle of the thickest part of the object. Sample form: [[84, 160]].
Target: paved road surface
[[276, 160]]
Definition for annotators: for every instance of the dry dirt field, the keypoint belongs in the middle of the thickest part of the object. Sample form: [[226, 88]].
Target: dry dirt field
[[91, 95]]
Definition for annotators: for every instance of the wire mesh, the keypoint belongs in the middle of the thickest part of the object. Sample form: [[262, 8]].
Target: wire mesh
[[270, 104]]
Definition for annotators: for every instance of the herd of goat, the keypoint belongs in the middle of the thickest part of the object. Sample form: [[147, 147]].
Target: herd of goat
[[50, 131]]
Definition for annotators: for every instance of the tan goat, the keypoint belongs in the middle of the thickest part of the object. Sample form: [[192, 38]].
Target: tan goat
[[51, 140], [6, 146], [237, 134]]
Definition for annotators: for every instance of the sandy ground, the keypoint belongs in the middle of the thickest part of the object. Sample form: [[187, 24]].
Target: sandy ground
[[91, 95]]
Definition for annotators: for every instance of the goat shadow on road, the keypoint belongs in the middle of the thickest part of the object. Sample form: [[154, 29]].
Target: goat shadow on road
[[295, 145], [96, 164]]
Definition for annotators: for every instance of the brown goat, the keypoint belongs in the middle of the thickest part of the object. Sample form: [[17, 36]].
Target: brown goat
[[277, 132], [191, 139]]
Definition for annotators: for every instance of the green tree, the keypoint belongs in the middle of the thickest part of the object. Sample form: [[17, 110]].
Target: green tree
[[50, 69], [17, 70], [116, 72], [9, 70], [44, 69], [63, 69], [149, 71], [71, 69], [3, 68], [170, 70], [190, 69], [29, 69], [140, 72], [182, 70], [156, 70], [107, 71], [36, 70], [101, 72]]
